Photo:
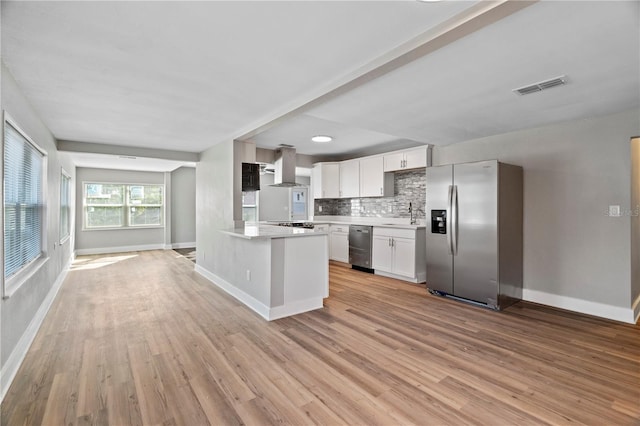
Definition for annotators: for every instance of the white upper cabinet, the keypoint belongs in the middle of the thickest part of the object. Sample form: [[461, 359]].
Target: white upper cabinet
[[415, 158], [405, 160], [350, 179], [373, 181], [326, 180]]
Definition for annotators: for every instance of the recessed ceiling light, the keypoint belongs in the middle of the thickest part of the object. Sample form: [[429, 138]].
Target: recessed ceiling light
[[322, 138]]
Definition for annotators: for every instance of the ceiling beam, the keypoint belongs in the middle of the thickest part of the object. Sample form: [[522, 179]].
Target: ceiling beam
[[476, 17], [99, 148]]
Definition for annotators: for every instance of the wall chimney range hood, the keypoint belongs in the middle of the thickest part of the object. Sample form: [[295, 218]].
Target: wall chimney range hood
[[285, 165]]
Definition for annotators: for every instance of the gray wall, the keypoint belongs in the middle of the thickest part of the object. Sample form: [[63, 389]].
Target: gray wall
[[214, 205], [272, 200], [102, 240], [572, 172], [18, 311], [183, 205], [635, 221]]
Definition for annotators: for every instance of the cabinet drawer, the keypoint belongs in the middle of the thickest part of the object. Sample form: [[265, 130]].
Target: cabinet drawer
[[339, 228]]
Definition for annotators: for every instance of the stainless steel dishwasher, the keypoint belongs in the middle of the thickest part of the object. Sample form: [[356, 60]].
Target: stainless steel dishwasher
[[360, 247]]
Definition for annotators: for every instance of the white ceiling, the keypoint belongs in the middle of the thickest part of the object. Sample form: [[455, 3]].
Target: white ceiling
[[187, 75]]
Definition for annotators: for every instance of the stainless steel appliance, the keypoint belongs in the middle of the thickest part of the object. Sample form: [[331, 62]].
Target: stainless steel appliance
[[474, 238], [360, 247]]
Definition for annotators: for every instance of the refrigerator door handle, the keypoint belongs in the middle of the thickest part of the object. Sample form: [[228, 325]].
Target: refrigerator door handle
[[454, 220], [449, 219]]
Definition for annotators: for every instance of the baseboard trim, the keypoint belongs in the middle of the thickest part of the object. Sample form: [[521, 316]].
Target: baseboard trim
[[399, 277], [183, 245], [253, 303], [295, 308], [121, 249], [602, 310], [11, 367], [636, 310]]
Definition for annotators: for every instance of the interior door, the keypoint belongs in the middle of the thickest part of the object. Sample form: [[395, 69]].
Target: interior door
[[439, 259], [475, 263]]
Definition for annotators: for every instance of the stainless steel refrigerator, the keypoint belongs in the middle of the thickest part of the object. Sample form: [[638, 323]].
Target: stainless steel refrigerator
[[474, 234]]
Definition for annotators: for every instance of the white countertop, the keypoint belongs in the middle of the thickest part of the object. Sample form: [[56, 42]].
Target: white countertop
[[263, 231], [402, 223]]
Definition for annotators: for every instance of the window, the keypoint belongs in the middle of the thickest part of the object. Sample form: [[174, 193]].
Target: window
[[249, 206], [65, 206], [115, 205], [24, 171]]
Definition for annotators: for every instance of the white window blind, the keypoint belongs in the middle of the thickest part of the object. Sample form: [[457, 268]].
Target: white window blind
[[23, 201]]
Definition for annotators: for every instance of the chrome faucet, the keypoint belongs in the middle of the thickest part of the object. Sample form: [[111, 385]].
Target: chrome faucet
[[412, 221]]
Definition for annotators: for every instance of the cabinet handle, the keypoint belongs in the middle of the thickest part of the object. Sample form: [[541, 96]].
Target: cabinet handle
[[380, 191], [389, 242]]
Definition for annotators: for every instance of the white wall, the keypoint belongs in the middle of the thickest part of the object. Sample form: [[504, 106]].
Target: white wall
[[20, 315], [105, 241], [573, 251], [183, 206]]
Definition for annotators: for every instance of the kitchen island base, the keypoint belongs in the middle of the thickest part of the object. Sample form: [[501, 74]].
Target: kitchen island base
[[276, 276]]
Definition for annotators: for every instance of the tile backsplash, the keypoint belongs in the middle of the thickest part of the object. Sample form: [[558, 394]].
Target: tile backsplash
[[408, 186]]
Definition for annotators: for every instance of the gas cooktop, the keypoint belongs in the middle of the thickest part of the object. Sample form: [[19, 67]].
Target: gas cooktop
[[306, 225]]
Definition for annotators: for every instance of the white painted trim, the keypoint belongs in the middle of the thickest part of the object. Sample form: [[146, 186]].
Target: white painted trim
[[258, 307], [400, 277], [121, 249], [253, 303], [10, 368], [167, 246], [295, 308], [588, 307], [636, 309], [183, 245]]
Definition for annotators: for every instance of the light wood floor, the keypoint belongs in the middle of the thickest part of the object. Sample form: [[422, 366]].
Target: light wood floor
[[142, 339]]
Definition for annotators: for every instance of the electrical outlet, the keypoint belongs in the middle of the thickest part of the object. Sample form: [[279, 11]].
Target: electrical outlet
[[248, 275]]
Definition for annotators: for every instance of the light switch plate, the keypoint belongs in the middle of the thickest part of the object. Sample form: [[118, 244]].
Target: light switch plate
[[614, 211]]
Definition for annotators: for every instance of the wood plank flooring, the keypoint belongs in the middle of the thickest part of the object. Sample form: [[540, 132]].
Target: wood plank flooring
[[140, 338]]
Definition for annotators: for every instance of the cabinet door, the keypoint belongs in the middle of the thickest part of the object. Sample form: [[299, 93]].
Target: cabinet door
[[316, 181], [393, 162], [340, 247], [326, 180], [381, 256], [372, 177], [415, 158], [350, 179], [404, 257]]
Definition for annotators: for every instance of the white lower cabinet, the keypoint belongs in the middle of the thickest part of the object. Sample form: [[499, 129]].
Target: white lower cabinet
[[339, 243], [399, 253]]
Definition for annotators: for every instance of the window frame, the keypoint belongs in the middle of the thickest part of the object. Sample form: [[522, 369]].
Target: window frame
[[12, 283], [64, 175], [125, 206]]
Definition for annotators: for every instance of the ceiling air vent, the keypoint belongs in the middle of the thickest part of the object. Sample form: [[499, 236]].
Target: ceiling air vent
[[543, 85]]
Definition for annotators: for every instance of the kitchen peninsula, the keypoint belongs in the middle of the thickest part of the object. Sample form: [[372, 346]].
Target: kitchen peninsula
[[277, 271]]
